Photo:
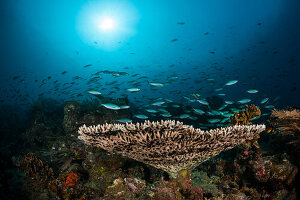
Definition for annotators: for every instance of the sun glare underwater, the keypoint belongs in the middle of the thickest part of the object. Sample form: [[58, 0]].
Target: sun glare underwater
[[149, 99], [107, 23]]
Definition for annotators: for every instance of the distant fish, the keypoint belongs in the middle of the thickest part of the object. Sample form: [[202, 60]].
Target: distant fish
[[213, 121], [124, 120], [181, 23], [184, 116], [141, 116], [175, 106], [219, 89], [111, 106], [203, 102], [243, 101], [94, 92], [158, 103], [166, 115], [156, 84], [174, 40], [252, 91], [224, 120], [124, 107], [169, 100], [228, 115], [198, 111], [16, 77], [269, 106], [224, 106], [256, 117], [264, 100], [133, 89], [64, 72], [231, 82], [85, 66], [162, 110], [229, 102], [151, 111]]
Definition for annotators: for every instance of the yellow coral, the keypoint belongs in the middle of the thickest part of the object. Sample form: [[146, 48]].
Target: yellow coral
[[244, 117]]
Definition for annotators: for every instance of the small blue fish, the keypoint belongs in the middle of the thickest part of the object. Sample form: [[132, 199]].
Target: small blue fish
[[213, 121], [94, 92], [198, 111], [224, 120], [156, 84], [269, 107], [184, 116], [168, 100], [187, 98], [256, 117], [219, 89], [231, 82], [229, 102], [173, 77], [264, 100], [243, 101], [151, 111], [111, 106], [124, 120], [158, 103], [203, 102], [124, 107], [252, 91], [133, 89], [162, 110], [166, 115], [224, 106], [141, 116], [227, 115]]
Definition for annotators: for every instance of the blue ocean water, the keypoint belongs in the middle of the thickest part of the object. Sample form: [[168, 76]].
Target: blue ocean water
[[201, 44]]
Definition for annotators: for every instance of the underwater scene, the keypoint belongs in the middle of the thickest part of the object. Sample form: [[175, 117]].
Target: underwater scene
[[150, 99]]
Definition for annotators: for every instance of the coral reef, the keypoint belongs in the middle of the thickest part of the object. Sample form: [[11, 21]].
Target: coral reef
[[63, 167]]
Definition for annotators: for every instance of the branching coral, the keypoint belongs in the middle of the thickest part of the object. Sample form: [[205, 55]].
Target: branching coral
[[35, 169], [168, 145], [245, 117], [287, 121]]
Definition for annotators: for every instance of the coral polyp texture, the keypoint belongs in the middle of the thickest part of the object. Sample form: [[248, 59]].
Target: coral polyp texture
[[287, 121], [167, 145]]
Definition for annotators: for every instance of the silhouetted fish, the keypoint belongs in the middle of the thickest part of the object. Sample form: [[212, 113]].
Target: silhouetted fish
[[87, 65]]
